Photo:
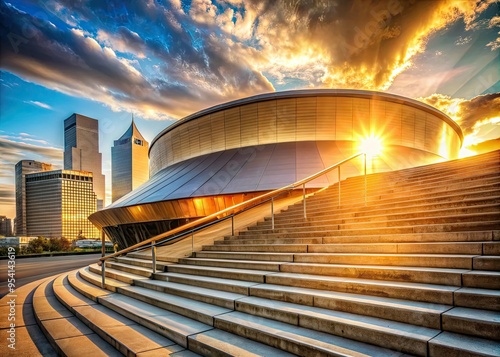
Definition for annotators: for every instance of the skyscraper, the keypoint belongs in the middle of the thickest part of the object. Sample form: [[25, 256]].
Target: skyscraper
[[81, 151], [5, 226], [129, 162], [58, 204], [24, 167]]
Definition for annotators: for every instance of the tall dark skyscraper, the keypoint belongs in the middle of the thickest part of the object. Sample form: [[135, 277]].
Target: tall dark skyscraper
[[129, 162], [23, 168], [81, 151]]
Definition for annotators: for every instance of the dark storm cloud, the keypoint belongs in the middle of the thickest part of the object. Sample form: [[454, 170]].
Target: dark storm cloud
[[478, 109]]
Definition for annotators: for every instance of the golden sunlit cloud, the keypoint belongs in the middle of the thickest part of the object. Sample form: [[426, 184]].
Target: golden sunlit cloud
[[478, 117]]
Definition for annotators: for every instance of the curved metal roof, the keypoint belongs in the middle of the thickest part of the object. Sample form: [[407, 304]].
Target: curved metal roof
[[314, 93]]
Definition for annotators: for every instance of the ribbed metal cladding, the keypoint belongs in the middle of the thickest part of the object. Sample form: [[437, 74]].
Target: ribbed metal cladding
[[228, 153]]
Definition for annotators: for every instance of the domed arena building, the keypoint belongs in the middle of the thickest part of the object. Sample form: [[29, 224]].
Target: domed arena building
[[228, 153]]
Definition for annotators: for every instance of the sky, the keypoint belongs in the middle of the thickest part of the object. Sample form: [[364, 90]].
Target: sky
[[162, 60]]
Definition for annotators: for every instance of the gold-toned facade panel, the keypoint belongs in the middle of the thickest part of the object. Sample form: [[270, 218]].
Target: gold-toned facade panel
[[308, 118]]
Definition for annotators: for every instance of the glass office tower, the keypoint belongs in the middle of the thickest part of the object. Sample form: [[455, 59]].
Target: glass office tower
[[58, 204], [24, 167], [129, 162], [81, 151]]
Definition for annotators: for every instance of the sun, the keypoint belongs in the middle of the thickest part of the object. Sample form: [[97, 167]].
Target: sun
[[371, 146]]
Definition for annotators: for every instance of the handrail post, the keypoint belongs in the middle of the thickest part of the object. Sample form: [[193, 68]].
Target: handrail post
[[339, 182], [192, 242], [103, 275], [153, 256], [272, 212], [232, 225], [365, 178], [304, 199], [103, 254]]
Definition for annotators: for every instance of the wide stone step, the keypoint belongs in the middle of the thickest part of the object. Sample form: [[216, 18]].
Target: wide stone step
[[448, 344], [382, 222], [19, 305], [144, 263], [433, 293], [381, 215], [473, 236], [477, 298], [411, 312], [190, 308], [251, 275], [471, 248], [120, 275], [237, 264], [316, 203], [207, 295], [474, 322], [120, 332], [487, 263], [482, 279], [230, 285], [66, 333], [354, 326], [166, 323], [92, 274], [381, 196], [129, 268], [221, 343], [436, 202], [413, 260], [408, 229], [313, 334], [353, 185]]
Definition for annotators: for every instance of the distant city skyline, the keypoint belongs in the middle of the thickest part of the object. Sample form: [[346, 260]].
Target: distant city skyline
[[161, 62]]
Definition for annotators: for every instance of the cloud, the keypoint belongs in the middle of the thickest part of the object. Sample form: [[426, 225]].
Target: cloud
[[15, 148], [469, 114], [167, 60], [478, 117], [495, 44], [39, 104]]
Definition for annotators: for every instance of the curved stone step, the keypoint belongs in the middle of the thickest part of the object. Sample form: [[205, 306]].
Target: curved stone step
[[66, 333], [16, 308]]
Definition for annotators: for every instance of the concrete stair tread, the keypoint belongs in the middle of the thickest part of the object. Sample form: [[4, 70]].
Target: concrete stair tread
[[169, 324], [86, 288], [34, 342], [365, 299], [121, 332], [66, 333], [96, 279], [411, 205], [217, 342], [318, 278], [475, 314], [174, 300], [222, 284], [314, 342], [140, 261], [418, 255], [215, 281], [117, 264], [453, 344], [417, 210], [249, 271], [118, 272], [345, 318], [210, 296]]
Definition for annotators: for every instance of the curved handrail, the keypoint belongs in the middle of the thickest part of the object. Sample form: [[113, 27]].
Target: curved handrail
[[256, 201]]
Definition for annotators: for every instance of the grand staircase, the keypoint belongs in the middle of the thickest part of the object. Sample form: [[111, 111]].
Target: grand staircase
[[415, 271]]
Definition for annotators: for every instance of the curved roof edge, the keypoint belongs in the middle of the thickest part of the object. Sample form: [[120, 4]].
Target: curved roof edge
[[313, 93]]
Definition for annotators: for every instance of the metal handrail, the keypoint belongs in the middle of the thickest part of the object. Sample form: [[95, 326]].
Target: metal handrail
[[189, 228]]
